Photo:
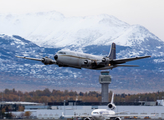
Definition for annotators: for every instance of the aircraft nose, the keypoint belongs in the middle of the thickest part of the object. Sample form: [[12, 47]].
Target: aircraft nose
[[56, 57]]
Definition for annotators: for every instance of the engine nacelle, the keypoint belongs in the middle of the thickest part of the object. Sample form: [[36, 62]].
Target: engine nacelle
[[47, 61], [117, 118], [87, 118], [105, 60], [87, 62], [111, 106]]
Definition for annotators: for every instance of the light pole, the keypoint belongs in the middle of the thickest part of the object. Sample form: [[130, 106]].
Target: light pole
[[64, 107]]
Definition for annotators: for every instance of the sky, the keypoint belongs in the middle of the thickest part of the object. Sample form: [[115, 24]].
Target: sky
[[148, 13]]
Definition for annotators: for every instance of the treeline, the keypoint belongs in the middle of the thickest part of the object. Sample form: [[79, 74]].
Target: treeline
[[139, 97], [45, 96]]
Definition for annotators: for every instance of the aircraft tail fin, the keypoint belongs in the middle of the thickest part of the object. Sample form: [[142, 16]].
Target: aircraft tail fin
[[62, 114], [112, 98], [111, 105], [112, 54]]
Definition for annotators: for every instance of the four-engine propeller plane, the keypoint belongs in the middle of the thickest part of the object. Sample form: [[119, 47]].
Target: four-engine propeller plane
[[64, 58]]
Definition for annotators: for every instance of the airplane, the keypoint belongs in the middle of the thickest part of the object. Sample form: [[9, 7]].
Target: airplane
[[65, 58], [103, 114]]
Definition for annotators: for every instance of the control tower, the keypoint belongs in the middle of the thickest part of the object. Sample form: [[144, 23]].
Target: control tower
[[104, 80]]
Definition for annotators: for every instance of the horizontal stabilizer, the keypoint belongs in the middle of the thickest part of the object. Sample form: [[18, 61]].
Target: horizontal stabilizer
[[127, 65]]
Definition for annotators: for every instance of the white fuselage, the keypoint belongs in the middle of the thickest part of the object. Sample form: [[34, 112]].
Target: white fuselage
[[77, 60], [101, 114]]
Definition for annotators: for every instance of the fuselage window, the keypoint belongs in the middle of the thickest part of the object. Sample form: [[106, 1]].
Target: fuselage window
[[61, 53], [106, 112], [103, 112]]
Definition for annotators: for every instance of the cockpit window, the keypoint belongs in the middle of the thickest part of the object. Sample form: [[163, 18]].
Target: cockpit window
[[61, 52], [95, 113]]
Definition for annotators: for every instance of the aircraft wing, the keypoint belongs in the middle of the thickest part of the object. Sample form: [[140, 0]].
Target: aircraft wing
[[127, 65], [45, 60], [29, 58], [120, 61]]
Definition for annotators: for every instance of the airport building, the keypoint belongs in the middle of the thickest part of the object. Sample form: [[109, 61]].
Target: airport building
[[77, 108], [54, 110]]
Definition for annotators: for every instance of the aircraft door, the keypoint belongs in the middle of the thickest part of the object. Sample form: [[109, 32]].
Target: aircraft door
[[73, 59], [68, 59], [79, 60]]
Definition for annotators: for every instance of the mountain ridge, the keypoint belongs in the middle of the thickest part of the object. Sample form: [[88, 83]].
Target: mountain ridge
[[52, 29]]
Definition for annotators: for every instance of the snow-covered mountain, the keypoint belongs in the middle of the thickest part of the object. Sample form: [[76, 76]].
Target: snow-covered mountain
[[43, 34], [52, 29], [19, 72]]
